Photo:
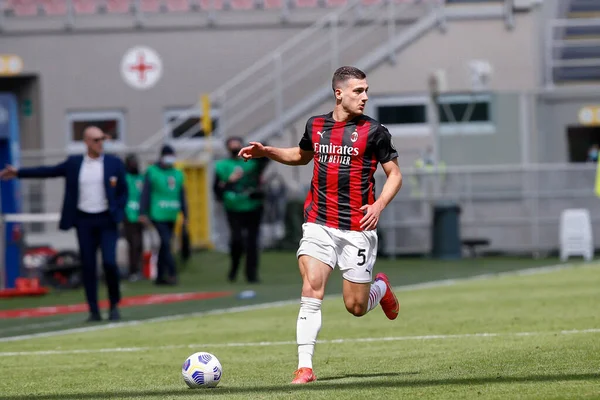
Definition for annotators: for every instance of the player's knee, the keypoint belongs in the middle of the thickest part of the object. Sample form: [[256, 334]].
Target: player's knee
[[313, 286], [356, 309], [312, 289]]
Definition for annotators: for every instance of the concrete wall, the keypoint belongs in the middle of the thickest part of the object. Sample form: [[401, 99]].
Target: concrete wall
[[81, 72]]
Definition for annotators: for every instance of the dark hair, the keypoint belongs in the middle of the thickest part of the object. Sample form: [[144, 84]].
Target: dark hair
[[132, 164], [167, 150], [342, 74], [131, 158], [233, 138]]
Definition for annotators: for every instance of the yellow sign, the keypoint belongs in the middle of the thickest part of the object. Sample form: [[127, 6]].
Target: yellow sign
[[597, 186], [10, 64], [206, 119], [589, 115]]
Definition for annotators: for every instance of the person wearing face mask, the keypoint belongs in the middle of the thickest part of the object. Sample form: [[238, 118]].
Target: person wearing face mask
[[593, 154], [163, 198], [132, 226], [237, 185]]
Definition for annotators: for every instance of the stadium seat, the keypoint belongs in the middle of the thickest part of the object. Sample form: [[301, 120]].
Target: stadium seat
[[472, 1], [118, 6], [208, 5], [24, 8], [150, 6], [273, 4], [335, 3], [241, 4], [178, 5], [371, 2], [85, 6], [54, 7], [306, 3]]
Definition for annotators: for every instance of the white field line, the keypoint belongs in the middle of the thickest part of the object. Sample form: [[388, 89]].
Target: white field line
[[425, 285], [289, 343]]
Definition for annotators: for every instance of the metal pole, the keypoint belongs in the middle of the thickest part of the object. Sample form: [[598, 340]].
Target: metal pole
[[70, 19], [335, 44], [2, 6], [524, 128], [278, 95], [391, 25], [441, 15], [285, 11], [509, 17], [435, 126], [137, 14], [535, 219], [549, 56]]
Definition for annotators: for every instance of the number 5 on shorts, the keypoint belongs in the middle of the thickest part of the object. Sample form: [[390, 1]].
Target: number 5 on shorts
[[361, 254]]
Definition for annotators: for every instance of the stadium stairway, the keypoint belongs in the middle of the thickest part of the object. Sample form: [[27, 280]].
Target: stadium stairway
[[576, 46], [295, 78]]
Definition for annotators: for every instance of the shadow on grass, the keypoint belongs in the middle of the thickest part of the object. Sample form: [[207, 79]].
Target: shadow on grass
[[374, 375], [317, 386]]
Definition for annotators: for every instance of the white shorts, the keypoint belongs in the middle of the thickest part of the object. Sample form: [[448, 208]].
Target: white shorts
[[354, 252]]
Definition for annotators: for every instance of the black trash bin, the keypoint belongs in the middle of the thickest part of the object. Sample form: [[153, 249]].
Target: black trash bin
[[445, 230]]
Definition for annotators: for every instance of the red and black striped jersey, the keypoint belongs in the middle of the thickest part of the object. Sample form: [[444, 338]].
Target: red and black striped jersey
[[346, 155]]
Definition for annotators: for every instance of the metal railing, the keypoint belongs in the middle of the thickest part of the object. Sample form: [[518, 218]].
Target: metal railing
[[262, 92], [517, 208], [270, 94]]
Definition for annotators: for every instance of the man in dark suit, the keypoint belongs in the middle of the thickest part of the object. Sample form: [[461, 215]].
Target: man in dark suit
[[94, 203]]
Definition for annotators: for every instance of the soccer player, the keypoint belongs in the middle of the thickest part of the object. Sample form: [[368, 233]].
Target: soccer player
[[340, 211]]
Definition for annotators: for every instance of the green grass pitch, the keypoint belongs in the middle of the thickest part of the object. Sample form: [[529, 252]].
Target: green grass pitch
[[509, 337]]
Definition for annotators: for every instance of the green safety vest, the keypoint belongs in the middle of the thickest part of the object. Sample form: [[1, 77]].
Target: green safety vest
[[238, 197], [165, 193], [135, 184]]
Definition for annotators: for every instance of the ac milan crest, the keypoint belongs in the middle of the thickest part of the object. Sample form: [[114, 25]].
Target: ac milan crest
[[354, 136]]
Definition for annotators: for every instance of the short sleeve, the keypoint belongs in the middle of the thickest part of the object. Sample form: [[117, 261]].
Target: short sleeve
[[306, 143], [384, 148]]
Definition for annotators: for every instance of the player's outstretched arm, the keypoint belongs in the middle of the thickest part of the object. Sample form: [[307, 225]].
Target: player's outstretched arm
[[287, 156], [391, 187]]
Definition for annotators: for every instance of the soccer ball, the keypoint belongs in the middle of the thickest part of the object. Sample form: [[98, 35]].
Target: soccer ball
[[202, 370]]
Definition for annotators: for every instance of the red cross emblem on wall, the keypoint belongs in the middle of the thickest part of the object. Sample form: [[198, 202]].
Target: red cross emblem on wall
[[141, 67]]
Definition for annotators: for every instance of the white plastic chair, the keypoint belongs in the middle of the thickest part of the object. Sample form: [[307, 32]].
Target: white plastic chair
[[576, 234]]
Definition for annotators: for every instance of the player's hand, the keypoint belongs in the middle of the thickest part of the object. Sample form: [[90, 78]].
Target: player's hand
[[254, 150], [144, 220], [9, 172], [371, 218]]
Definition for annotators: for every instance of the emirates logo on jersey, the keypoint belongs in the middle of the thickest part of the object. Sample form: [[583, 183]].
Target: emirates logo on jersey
[[354, 136], [331, 153]]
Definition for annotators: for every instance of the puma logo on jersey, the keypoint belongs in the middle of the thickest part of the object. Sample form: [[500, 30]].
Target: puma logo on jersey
[[321, 133]]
